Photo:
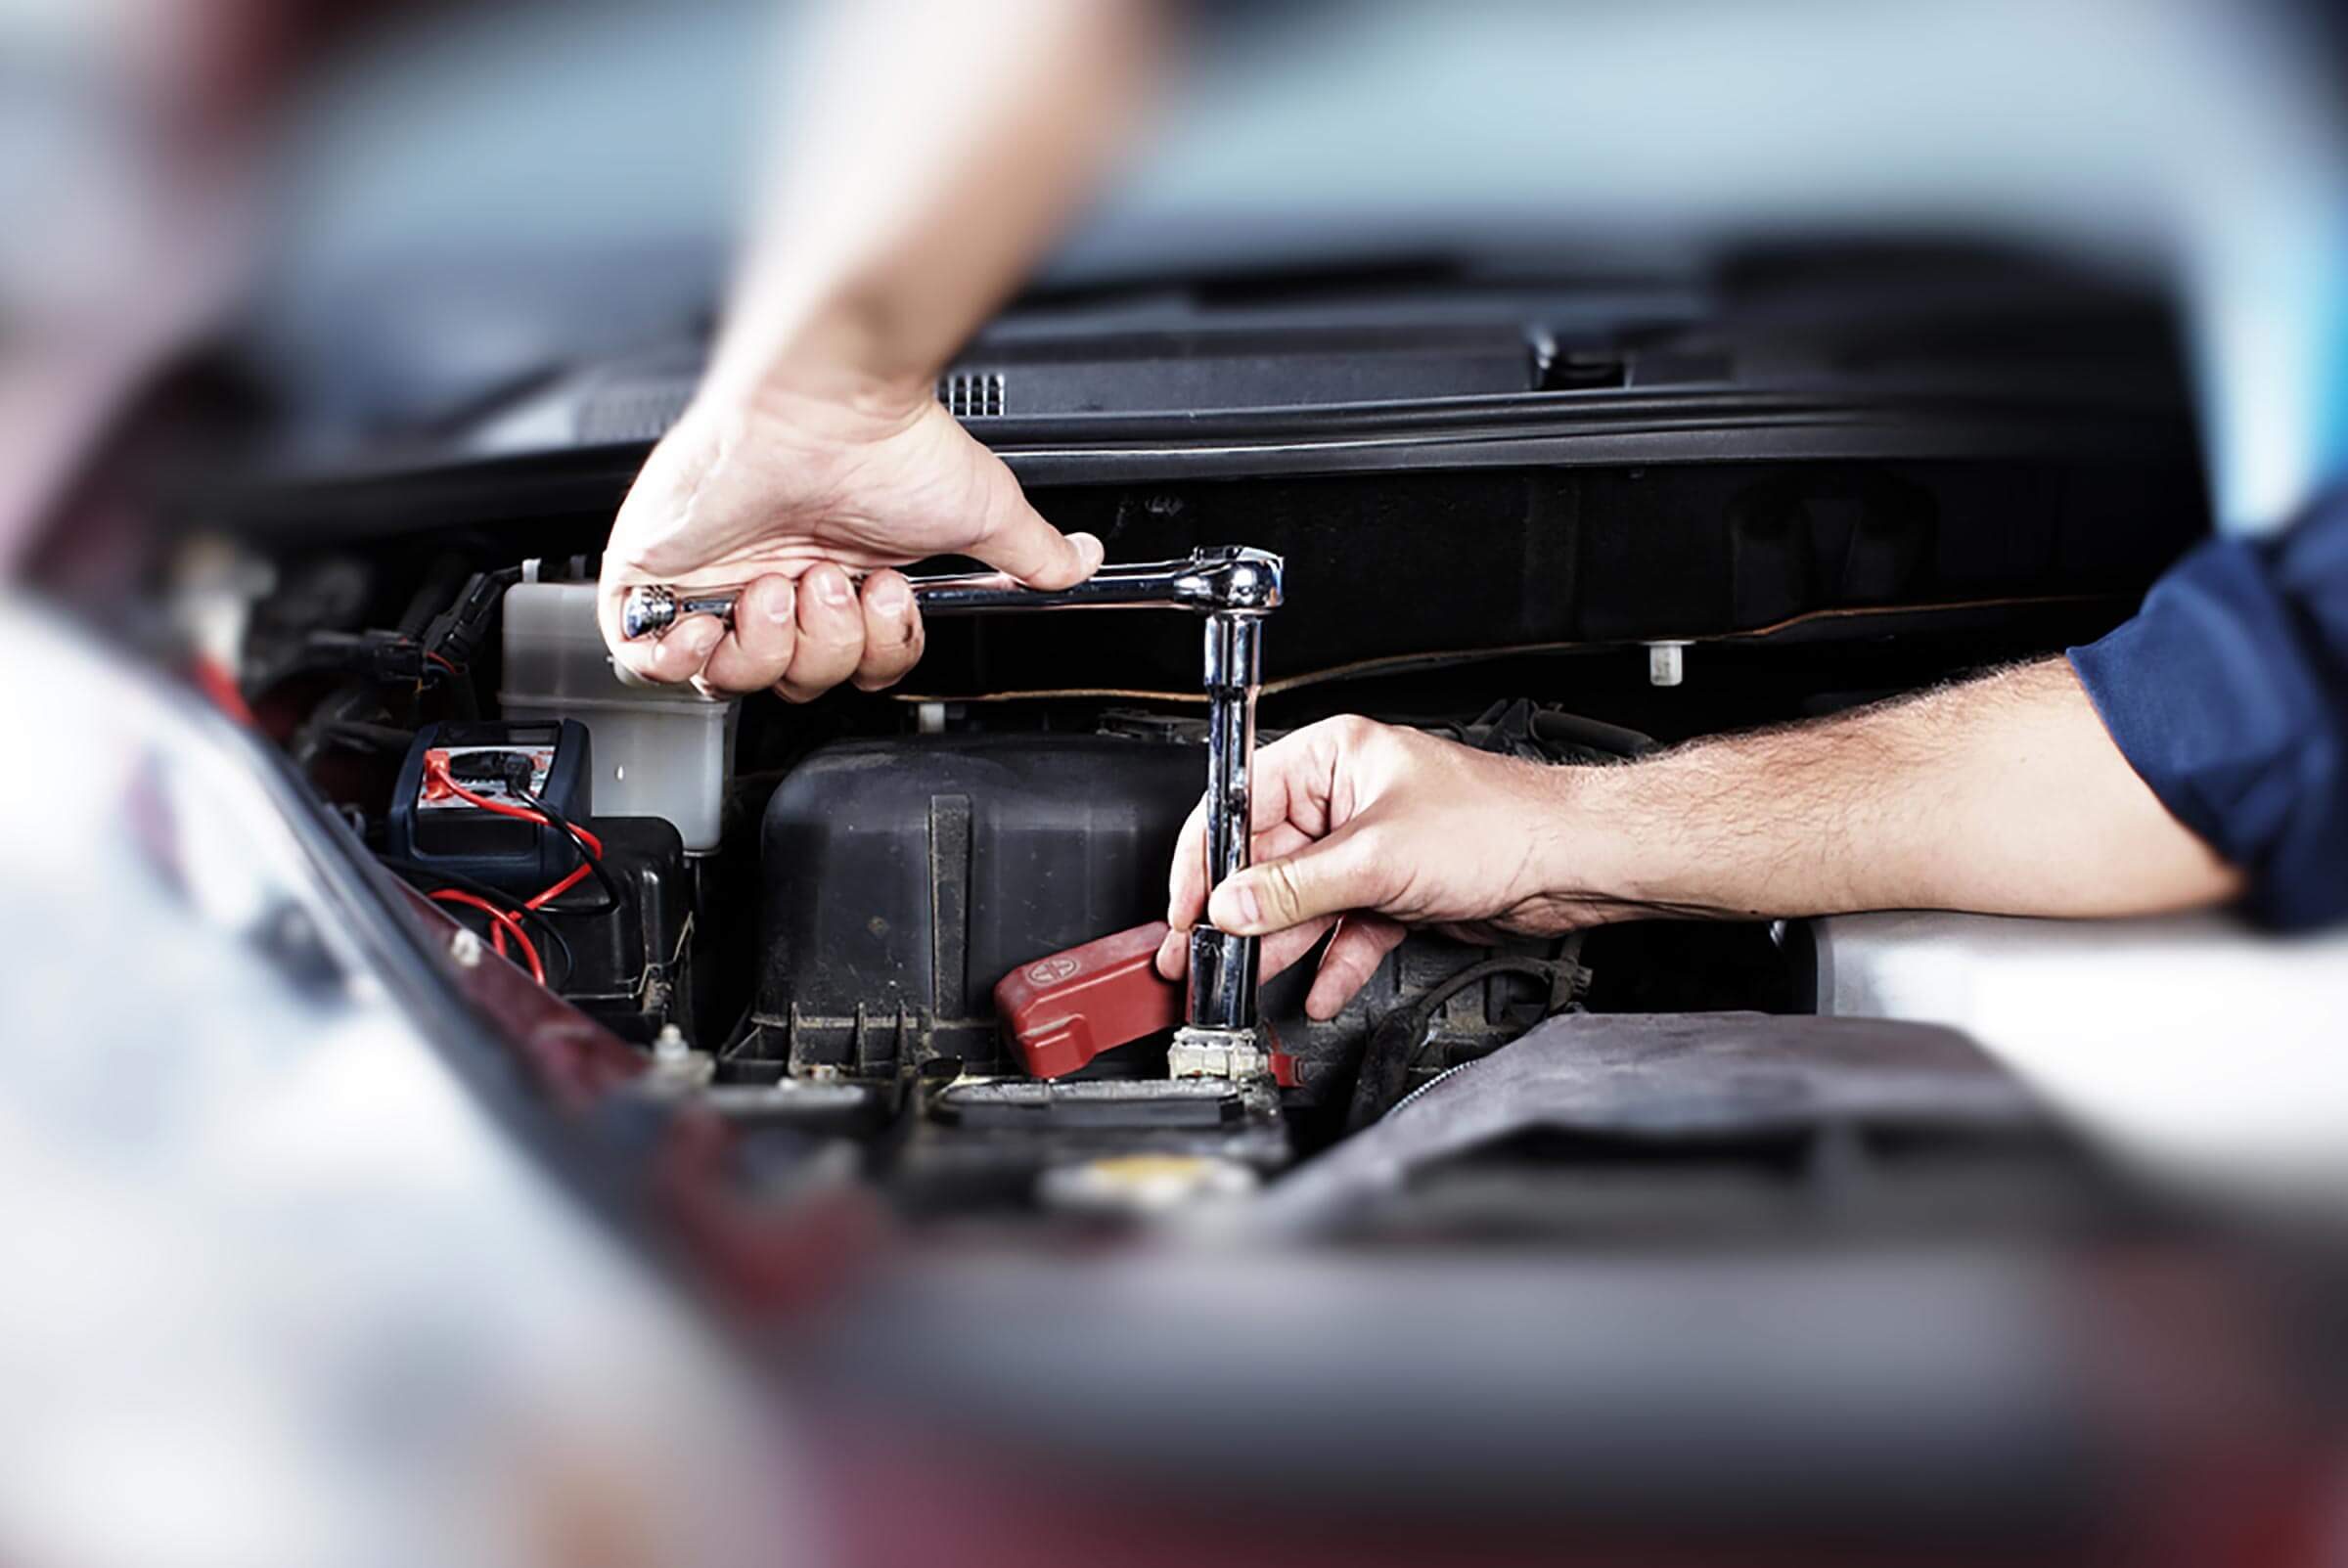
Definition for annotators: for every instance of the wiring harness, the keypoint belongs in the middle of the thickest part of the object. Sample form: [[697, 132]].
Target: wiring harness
[[507, 921]]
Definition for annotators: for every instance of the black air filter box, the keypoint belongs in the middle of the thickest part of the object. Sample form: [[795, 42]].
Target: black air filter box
[[904, 878]]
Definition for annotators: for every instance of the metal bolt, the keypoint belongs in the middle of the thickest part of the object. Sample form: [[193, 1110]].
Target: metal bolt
[[466, 949], [1664, 663]]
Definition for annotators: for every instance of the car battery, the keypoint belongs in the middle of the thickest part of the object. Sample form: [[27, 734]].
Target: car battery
[[434, 827], [905, 876]]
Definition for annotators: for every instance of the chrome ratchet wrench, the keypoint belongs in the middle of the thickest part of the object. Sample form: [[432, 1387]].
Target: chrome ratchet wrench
[[1234, 588]]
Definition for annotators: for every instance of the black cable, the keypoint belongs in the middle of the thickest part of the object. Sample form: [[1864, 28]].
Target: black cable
[[594, 863], [442, 582], [1572, 728], [503, 900], [461, 632], [1400, 1035]]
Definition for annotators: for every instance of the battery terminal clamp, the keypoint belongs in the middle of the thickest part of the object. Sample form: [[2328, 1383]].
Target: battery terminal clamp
[[1064, 1009]]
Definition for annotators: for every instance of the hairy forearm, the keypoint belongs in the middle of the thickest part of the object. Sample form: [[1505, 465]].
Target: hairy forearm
[[2002, 795], [937, 148]]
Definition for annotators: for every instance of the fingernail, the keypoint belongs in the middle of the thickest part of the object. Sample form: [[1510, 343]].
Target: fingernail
[[1089, 547], [1236, 907], [781, 605], [832, 587], [889, 597]]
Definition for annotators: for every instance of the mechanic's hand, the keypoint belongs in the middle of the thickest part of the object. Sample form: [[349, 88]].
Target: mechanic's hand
[[788, 492], [1371, 829]]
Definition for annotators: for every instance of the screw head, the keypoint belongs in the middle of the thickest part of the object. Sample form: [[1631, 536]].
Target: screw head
[[647, 608]]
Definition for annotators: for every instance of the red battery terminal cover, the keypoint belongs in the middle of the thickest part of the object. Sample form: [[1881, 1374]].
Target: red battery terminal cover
[[1065, 1010]]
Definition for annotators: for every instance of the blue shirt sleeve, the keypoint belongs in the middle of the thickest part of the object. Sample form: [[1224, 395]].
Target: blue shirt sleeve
[[2229, 694]]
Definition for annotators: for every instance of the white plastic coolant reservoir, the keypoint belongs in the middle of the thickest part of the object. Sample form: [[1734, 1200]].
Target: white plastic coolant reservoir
[[658, 750]]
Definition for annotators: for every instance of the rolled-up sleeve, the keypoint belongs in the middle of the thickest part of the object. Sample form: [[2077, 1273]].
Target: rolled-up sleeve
[[2228, 692]]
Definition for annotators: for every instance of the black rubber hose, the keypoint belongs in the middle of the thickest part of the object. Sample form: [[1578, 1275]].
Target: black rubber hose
[[1398, 1037], [1550, 724]]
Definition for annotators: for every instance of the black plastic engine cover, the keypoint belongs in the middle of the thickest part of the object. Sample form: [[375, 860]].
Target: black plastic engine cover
[[903, 877], [631, 967]]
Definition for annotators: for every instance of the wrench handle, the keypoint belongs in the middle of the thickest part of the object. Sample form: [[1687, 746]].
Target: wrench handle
[[1226, 579], [1223, 966]]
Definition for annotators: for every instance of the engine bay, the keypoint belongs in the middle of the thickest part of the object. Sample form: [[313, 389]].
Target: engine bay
[[845, 1011], [905, 932], [1642, 474], [800, 915]]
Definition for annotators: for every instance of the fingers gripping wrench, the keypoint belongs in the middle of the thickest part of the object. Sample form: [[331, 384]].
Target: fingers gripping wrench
[[1234, 589]]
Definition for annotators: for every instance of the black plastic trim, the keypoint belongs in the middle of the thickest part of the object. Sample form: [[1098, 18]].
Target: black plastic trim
[[1556, 429]]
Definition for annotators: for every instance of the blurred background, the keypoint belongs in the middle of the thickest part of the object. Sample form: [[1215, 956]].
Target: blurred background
[[244, 237], [390, 210]]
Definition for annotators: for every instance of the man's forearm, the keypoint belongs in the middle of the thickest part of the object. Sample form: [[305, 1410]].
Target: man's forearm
[[2002, 795], [935, 150]]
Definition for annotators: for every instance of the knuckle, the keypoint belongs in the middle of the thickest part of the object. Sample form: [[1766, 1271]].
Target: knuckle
[[829, 630], [1321, 733], [828, 602], [828, 659], [1281, 891]]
